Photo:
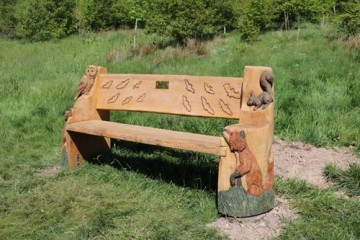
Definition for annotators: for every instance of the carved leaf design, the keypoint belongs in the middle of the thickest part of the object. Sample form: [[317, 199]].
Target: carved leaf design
[[141, 98], [186, 103], [108, 84], [231, 92], [206, 105], [189, 86], [137, 85], [126, 100], [123, 84], [225, 107], [113, 98], [208, 88]]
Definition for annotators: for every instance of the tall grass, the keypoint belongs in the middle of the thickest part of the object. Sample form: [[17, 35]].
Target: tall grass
[[157, 193]]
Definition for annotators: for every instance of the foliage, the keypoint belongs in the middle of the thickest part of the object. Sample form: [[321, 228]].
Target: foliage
[[180, 19], [309, 10], [224, 14], [43, 20], [176, 20], [350, 18], [7, 19], [100, 14], [255, 16], [128, 11], [258, 16]]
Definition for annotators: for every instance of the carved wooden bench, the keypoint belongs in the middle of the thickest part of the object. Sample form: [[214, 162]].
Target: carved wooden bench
[[246, 164]]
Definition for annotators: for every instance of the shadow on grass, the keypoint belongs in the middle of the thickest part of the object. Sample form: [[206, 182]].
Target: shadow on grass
[[185, 169]]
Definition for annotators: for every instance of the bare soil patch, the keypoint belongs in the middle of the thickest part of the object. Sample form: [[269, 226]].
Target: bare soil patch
[[293, 160], [259, 227], [306, 162]]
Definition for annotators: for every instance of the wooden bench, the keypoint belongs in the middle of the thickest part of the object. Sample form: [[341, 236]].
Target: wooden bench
[[245, 174]]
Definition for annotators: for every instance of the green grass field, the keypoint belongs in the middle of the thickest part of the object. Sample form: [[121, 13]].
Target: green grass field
[[141, 192]]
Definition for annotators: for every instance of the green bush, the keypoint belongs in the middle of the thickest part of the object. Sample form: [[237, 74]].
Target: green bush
[[43, 20], [100, 14], [7, 19], [249, 29], [180, 19], [224, 14], [350, 18], [255, 16], [128, 11]]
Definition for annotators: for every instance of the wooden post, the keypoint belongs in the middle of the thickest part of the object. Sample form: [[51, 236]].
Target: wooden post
[[76, 146], [239, 200]]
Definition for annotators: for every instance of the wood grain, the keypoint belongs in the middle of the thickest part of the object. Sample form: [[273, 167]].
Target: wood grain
[[204, 96], [152, 136]]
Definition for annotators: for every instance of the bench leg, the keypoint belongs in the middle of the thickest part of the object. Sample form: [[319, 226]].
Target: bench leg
[[237, 200], [80, 146]]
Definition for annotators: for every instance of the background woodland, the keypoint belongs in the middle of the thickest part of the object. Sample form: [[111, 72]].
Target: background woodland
[[176, 20]]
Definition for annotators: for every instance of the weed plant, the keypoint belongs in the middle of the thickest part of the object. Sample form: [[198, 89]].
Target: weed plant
[[157, 193]]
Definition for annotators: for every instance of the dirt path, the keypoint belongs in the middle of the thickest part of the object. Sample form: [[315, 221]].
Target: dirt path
[[292, 160], [306, 162]]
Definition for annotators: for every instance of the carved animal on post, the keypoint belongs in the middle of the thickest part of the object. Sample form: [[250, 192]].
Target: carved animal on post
[[87, 81], [248, 165], [266, 97]]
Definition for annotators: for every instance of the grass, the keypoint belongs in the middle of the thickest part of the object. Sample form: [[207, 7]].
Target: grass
[[142, 192], [323, 215], [346, 180]]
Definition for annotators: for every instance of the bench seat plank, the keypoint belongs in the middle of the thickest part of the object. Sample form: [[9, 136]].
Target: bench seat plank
[[152, 136]]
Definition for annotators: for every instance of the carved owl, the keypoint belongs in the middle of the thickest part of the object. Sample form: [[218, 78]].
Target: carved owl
[[87, 81]]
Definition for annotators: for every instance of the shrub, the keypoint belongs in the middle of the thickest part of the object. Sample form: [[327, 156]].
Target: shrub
[[100, 14], [255, 16], [225, 16], [7, 19], [127, 12], [249, 29], [180, 19], [350, 18], [43, 20]]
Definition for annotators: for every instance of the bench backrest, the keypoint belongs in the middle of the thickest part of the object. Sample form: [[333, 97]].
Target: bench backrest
[[204, 96], [217, 97]]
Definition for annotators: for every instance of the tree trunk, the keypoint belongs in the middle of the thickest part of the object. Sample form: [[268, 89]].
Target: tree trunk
[[286, 21], [135, 29]]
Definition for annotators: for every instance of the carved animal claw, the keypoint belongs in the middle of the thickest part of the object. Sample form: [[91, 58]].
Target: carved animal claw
[[233, 178]]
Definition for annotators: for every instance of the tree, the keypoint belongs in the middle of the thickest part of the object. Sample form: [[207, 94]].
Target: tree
[[224, 13], [180, 19], [127, 12], [294, 11], [254, 16], [350, 18], [100, 14], [42, 20]]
